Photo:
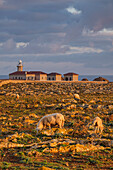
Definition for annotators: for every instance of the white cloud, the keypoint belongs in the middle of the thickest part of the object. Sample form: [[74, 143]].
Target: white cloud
[[81, 50], [103, 32], [22, 44], [73, 11], [1, 44], [53, 50], [107, 32], [70, 50]]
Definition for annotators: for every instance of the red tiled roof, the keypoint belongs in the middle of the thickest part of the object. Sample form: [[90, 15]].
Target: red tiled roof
[[37, 72], [70, 74], [53, 74], [26, 72], [18, 73]]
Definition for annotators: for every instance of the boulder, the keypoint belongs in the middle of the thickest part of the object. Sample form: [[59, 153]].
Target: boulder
[[76, 97], [100, 79], [85, 79]]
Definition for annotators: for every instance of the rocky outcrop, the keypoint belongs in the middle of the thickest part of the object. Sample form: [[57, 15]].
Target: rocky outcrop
[[85, 79], [101, 79]]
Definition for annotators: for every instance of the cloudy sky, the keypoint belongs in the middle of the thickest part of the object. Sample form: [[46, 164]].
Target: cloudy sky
[[61, 36]]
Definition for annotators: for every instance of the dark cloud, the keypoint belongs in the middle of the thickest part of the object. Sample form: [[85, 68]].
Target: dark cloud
[[50, 33], [98, 14]]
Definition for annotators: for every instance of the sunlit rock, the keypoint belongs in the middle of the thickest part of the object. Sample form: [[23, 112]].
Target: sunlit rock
[[45, 168], [89, 147]]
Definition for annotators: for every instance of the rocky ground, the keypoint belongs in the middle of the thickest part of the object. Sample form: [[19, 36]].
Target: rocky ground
[[73, 147]]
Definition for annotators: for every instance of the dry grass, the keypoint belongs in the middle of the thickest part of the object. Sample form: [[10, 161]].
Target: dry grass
[[73, 147]]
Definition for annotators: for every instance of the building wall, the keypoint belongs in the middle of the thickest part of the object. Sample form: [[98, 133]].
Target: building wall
[[19, 68], [68, 78], [71, 78], [17, 77], [58, 77], [43, 77], [37, 77], [30, 76], [54, 78], [75, 77]]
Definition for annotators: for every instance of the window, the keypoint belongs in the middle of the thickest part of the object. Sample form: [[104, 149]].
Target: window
[[53, 78], [70, 79], [66, 78], [49, 78]]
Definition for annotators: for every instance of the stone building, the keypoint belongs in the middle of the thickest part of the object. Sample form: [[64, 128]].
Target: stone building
[[70, 77], [41, 76], [27, 75], [54, 76], [20, 66]]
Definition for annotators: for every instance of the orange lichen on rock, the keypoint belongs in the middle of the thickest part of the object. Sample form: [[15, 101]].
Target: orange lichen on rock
[[89, 147], [10, 145], [45, 168]]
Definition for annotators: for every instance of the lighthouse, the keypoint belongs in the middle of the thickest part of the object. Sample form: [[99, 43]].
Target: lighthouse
[[20, 66]]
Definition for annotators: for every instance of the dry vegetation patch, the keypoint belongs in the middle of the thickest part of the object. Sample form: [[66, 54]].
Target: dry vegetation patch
[[73, 147]]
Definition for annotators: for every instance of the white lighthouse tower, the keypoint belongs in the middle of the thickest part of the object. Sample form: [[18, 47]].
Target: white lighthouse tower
[[20, 66]]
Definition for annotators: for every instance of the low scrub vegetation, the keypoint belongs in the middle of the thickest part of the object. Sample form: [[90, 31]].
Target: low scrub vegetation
[[75, 146]]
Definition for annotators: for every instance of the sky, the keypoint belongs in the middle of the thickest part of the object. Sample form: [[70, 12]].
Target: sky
[[57, 36]]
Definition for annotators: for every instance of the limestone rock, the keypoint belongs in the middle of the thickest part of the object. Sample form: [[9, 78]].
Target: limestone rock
[[76, 97], [89, 147], [45, 168]]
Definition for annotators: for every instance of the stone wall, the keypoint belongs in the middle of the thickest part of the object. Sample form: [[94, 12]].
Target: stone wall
[[2, 82]]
